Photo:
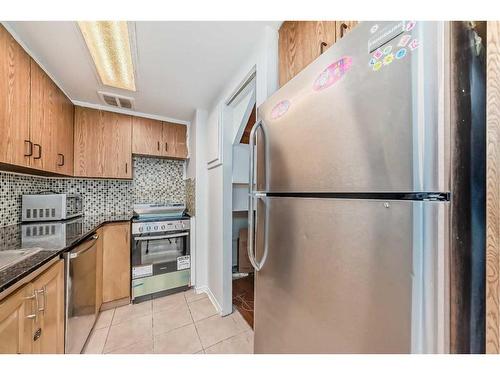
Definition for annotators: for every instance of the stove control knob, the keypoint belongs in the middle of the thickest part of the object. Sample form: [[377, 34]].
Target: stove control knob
[[183, 225], [163, 227], [156, 227], [141, 229], [148, 229]]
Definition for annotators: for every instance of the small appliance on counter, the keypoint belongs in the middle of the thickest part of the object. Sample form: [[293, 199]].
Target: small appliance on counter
[[161, 261], [51, 206]]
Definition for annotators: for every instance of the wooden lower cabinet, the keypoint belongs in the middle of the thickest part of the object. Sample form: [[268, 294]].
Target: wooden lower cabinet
[[16, 325], [99, 259], [32, 318], [115, 262], [49, 289]]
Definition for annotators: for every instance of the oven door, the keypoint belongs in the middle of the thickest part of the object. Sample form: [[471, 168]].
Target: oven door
[[158, 253]]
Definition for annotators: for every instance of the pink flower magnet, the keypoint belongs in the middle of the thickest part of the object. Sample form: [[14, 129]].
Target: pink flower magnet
[[333, 73]]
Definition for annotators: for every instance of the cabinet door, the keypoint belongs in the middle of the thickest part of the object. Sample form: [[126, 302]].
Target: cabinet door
[[147, 136], [14, 101], [43, 119], [89, 143], [117, 145], [181, 151], [64, 135], [99, 258], [300, 43], [49, 290], [168, 136], [16, 322], [343, 27], [116, 262], [174, 140]]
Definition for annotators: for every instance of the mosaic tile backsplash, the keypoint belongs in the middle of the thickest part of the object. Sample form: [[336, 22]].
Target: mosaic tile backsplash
[[190, 196], [155, 181]]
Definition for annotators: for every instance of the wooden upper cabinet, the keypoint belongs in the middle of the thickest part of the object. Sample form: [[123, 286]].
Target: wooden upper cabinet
[[181, 150], [147, 137], [174, 140], [103, 144], [43, 119], [36, 118], [157, 138], [343, 27], [89, 143], [300, 43], [49, 288], [64, 135], [117, 145], [14, 101], [51, 122]]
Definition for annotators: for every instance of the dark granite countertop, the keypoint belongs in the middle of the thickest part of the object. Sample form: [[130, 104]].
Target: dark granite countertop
[[50, 238]]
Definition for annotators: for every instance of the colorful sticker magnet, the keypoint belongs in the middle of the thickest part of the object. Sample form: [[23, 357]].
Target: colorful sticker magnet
[[404, 40], [414, 44], [332, 73], [372, 62], [401, 53], [387, 50], [378, 54], [388, 59], [280, 109], [374, 28], [377, 66], [410, 25]]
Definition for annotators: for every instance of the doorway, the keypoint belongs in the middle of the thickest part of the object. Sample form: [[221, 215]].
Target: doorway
[[242, 110]]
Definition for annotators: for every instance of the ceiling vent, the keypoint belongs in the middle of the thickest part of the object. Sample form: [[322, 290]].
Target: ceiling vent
[[116, 100]]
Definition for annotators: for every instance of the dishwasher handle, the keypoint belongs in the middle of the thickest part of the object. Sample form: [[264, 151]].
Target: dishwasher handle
[[91, 243]]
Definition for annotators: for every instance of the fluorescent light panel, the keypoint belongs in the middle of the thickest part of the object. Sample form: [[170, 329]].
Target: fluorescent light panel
[[109, 46]]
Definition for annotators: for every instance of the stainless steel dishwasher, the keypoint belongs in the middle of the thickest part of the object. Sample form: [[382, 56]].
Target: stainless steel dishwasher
[[80, 269]]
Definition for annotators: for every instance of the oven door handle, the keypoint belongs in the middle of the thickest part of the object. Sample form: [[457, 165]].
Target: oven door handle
[[161, 237]]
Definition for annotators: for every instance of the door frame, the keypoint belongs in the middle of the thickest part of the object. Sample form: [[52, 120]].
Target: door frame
[[227, 186]]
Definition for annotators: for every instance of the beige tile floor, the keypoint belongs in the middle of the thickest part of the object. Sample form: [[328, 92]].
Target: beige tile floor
[[180, 323]]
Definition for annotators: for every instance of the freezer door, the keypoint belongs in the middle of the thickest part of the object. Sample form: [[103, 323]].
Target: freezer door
[[352, 122], [350, 276]]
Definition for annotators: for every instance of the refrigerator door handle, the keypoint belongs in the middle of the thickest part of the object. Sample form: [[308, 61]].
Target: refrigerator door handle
[[251, 199]]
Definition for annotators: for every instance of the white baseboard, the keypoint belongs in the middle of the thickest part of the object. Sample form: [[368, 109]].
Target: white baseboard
[[206, 289]]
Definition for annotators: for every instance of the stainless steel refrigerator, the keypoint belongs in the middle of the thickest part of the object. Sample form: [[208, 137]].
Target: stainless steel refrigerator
[[366, 196]]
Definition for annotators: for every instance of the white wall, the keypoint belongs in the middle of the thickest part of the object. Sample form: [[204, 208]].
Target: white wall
[[218, 187], [199, 129], [191, 163]]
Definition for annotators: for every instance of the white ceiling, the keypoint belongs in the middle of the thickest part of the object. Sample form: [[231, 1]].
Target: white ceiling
[[180, 66]]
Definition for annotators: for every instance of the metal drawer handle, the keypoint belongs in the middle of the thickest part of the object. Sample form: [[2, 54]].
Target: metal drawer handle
[[322, 45], [61, 158], [35, 315], [39, 151], [30, 148], [343, 29], [161, 237], [42, 291]]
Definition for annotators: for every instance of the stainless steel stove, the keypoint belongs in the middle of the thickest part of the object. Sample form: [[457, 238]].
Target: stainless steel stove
[[161, 260]]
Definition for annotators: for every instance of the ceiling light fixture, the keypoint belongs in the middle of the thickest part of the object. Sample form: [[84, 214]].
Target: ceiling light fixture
[[109, 46]]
